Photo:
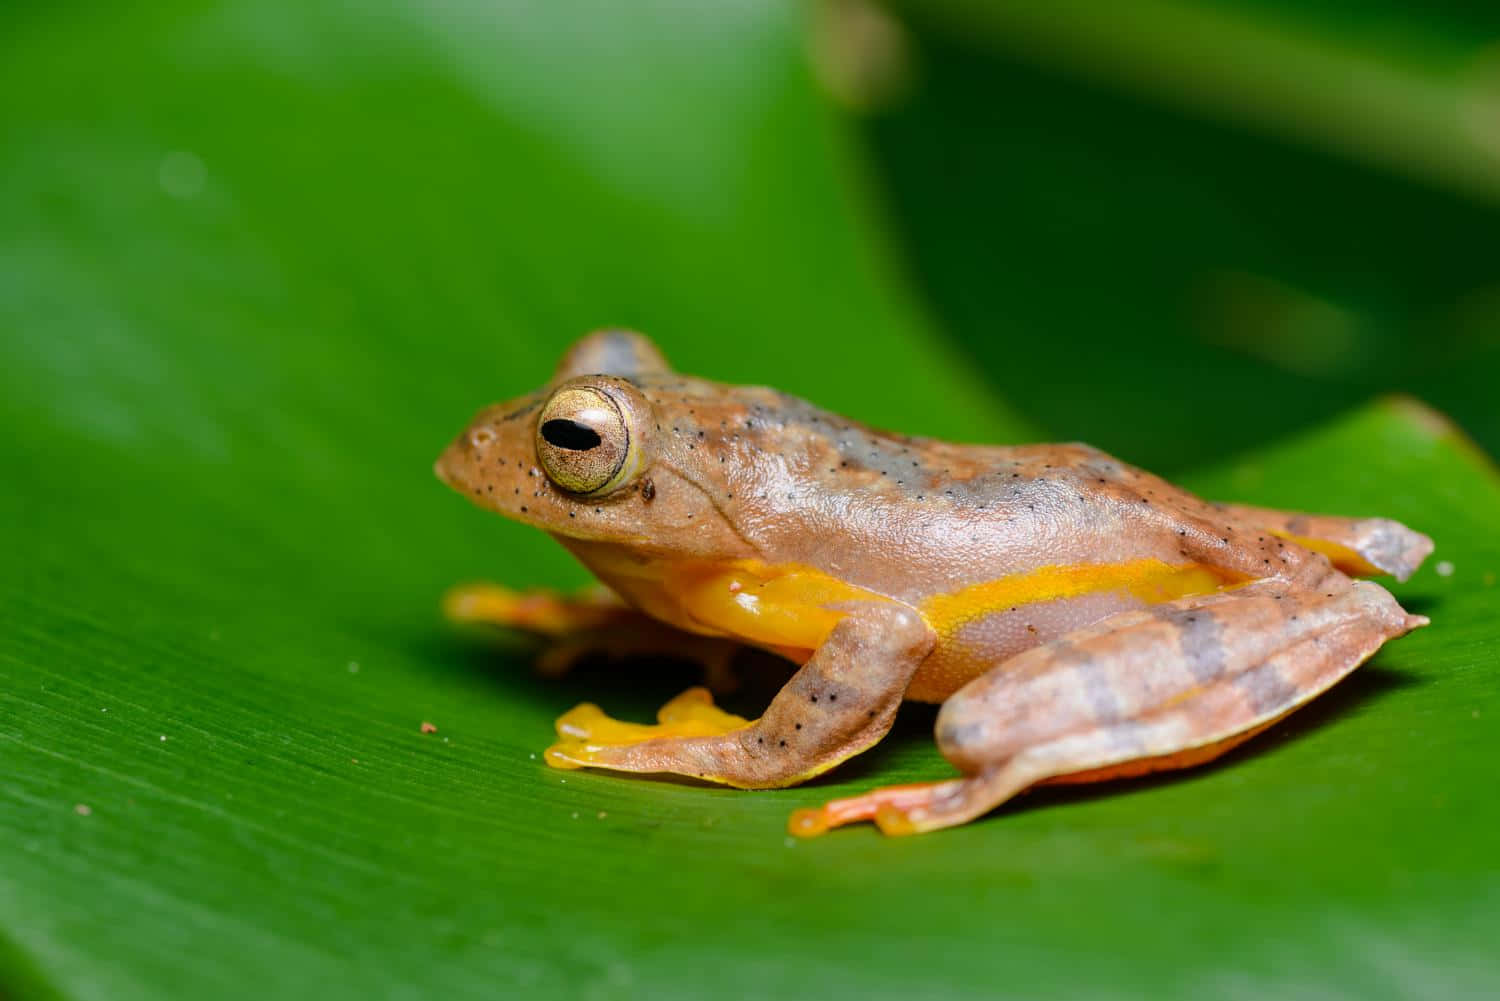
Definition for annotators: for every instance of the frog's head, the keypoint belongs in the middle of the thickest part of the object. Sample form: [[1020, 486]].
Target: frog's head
[[586, 457]]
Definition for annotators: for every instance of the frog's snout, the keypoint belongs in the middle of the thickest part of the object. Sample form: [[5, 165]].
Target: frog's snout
[[482, 458], [451, 466], [440, 469]]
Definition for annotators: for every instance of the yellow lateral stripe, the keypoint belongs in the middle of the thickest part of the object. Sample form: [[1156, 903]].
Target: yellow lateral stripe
[[1341, 556], [1149, 580]]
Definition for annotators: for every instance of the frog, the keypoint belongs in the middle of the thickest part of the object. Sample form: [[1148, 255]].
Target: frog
[[1076, 618]]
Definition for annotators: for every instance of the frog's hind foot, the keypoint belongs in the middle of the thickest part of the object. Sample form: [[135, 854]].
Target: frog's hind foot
[[890, 808], [926, 806], [1142, 691]]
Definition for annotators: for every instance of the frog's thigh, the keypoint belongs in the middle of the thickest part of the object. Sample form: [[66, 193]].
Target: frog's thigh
[[839, 703], [1159, 688], [1364, 547]]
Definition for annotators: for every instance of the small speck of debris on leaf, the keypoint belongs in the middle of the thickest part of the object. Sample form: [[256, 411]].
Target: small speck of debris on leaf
[[354, 667], [83, 809], [602, 815], [1444, 569], [428, 727]]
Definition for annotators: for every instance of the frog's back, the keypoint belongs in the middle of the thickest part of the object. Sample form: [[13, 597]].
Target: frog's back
[[999, 547], [913, 517]]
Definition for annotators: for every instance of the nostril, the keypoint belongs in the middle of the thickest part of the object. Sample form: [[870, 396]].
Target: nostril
[[481, 437]]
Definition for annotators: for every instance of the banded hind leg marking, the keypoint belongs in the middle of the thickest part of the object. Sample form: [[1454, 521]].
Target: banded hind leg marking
[[1165, 687]]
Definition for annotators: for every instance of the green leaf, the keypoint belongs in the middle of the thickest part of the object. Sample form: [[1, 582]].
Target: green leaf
[[260, 263]]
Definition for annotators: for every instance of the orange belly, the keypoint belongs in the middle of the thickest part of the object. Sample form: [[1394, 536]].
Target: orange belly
[[790, 609]]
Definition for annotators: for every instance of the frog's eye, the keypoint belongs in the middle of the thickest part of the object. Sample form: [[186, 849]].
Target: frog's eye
[[586, 439]]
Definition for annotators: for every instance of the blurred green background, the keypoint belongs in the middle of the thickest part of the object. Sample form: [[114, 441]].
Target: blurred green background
[[260, 260], [1276, 209]]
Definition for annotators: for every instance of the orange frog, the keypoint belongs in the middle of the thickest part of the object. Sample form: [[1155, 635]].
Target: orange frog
[[1077, 618]]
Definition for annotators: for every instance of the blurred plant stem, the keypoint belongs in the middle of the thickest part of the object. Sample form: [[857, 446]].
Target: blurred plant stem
[[1429, 109]]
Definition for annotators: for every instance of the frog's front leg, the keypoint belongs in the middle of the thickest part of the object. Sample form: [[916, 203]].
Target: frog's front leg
[[839, 703], [593, 622], [1166, 687]]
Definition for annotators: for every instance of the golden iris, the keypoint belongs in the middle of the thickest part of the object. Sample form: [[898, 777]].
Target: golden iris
[[585, 442]]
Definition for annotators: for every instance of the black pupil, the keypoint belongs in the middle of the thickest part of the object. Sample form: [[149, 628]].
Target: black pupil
[[570, 435]]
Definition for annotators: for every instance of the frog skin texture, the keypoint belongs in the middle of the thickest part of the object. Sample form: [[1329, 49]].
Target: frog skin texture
[[1077, 618]]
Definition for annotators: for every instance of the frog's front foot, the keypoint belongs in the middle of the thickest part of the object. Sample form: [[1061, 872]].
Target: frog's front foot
[[538, 610], [591, 623], [590, 738]]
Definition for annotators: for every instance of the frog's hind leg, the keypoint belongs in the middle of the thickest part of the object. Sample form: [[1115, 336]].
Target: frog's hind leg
[[589, 623], [1166, 687], [1363, 547]]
